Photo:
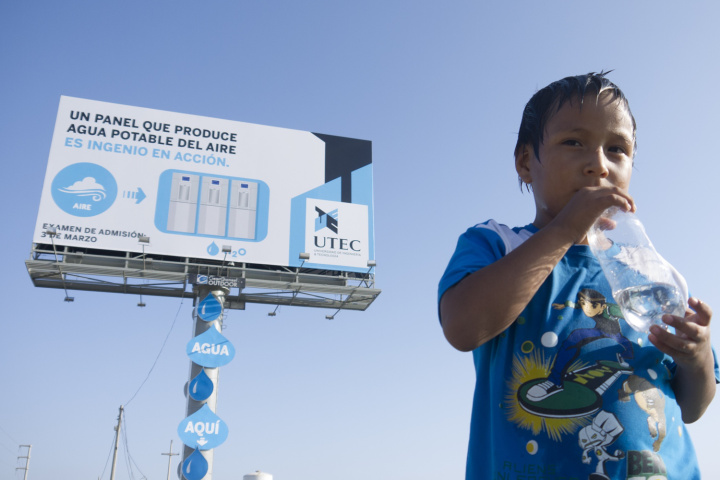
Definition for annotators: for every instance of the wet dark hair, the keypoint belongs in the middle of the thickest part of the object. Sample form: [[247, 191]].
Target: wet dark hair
[[547, 102]]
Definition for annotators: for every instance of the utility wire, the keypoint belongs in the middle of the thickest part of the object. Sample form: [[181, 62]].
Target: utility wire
[[129, 460], [112, 445], [159, 353], [124, 432], [9, 436], [126, 457], [8, 448]]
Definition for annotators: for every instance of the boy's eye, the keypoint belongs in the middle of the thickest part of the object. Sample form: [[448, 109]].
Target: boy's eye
[[572, 143], [618, 149]]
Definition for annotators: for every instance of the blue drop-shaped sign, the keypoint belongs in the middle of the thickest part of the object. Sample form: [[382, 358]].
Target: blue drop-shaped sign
[[209, 308], [203, 429], [195, 466], [213, 249], [200, 387], [210, 349]]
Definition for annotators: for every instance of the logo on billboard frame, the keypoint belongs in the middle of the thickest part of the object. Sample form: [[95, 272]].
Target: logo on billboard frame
[[218, 281]]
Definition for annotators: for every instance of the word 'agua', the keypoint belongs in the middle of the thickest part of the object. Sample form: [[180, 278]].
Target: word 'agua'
[[210, 348]]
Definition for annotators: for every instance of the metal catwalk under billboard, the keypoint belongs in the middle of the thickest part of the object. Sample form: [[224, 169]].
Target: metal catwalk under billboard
[[206, 188]]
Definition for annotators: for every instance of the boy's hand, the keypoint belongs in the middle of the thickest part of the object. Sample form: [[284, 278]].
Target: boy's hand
[[694, 380], [586, 206], [690, 345]]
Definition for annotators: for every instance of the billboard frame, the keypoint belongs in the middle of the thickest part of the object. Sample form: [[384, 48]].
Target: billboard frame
[[84, 269]]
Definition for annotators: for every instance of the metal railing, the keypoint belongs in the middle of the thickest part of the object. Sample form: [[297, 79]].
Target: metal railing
[[132, 273]]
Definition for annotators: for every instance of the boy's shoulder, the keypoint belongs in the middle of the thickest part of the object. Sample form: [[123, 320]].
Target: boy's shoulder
[[479, 246], [511, 237]]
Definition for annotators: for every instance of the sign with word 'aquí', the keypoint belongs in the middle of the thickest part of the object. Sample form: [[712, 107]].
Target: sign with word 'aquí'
[[210, 349], [203, 429]]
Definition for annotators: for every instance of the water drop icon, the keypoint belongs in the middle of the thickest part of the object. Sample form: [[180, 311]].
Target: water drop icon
[[195, 466], [200, 387], [213, 249], [209, 308]]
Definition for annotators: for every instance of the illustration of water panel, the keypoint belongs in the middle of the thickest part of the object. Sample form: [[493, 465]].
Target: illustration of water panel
[[218, 206]]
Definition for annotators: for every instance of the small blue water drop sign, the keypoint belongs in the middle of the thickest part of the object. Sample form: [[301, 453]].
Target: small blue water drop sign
[[200, 387], [195, 466], [210, 349], [203, 429], [213, 249], [209, 309]]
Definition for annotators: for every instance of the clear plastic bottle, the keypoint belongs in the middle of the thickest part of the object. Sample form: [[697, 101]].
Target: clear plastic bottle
[[644, 285]]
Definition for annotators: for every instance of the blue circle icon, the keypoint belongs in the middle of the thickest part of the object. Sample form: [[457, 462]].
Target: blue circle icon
[[84, 189]]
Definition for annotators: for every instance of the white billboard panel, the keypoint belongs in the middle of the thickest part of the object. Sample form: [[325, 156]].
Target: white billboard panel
[[196, 184]]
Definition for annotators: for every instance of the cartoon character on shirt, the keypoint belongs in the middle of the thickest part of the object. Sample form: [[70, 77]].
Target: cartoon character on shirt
[[594, 440], [607, 326]]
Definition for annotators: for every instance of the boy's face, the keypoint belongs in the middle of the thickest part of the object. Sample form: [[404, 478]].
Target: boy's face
[[582, 147]]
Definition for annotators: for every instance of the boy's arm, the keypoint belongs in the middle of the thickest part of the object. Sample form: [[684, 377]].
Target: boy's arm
[[694, 380], [486, 302]]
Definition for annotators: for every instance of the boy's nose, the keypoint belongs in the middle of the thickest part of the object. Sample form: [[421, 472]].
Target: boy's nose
[[597, 165]]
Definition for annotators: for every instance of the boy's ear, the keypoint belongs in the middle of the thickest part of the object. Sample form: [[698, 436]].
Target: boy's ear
[[522, 163]]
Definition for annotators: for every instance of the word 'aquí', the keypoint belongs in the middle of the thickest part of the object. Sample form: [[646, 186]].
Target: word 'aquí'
[[203, 428]]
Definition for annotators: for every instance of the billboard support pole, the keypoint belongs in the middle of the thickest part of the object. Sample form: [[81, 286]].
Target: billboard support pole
[[199, 327]]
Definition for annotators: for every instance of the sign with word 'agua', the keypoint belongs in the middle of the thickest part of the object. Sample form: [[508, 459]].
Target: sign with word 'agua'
[[210, 349], [203, 429]]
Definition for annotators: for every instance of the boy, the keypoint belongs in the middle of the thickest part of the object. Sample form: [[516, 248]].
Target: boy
[[556, 379]]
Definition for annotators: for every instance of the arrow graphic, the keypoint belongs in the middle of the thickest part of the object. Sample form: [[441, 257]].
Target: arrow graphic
[[201, 441], [138, 195]]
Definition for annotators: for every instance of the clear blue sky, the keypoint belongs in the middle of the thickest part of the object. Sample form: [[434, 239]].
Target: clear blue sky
[[439, 90]]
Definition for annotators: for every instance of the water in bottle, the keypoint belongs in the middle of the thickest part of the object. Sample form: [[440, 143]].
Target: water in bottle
[[644, 285]]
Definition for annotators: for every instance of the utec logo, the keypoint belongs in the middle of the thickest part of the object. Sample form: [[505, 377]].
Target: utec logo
[[326, 220], [330, 221]]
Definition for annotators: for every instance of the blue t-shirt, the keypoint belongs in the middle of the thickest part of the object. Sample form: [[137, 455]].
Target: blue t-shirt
[[569, 390]]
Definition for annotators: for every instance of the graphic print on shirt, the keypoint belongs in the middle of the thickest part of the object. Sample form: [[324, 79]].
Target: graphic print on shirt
[[594, 440], [651, 401], [563, 394], [569, 391]]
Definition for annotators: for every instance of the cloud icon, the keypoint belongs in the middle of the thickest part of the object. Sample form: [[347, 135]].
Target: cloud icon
[[87, 187], [87, 183]]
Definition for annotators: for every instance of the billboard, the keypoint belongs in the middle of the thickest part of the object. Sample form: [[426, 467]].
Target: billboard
[[206, 188]]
